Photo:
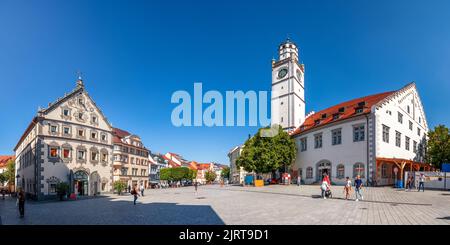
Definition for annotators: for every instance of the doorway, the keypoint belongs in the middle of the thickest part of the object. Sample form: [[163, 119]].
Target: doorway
[[81, 182], [322, 169]]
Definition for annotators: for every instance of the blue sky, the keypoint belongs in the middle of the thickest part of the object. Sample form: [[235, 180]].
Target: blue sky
[[135, 54]]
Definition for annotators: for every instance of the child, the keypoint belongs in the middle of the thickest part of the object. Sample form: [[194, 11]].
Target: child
[[347, 187], [324, 187]]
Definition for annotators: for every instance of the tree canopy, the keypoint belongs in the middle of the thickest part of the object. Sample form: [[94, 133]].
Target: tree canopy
[[266, 154], [177, 174], [210, 176], [438, 146], [225, 173]]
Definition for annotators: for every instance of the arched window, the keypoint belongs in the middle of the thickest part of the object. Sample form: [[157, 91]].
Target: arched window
[[309, 173], [384, 172], [358, 169], [340, 171]]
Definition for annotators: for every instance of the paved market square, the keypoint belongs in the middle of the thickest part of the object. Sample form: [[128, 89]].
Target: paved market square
[[236, 205]]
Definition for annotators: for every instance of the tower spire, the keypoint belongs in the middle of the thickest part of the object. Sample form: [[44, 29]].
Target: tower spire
[[79, 79]]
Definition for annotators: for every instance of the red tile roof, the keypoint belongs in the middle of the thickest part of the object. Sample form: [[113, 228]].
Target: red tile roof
[[4, 160], [202, 166], [118, 134], [326, 116]]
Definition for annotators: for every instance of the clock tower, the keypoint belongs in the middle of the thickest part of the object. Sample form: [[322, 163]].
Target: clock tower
[[288, 88]]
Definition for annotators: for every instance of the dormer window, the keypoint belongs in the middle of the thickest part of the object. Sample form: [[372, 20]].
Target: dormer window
[[359, 110], [335, 116], [317, 122], [361, 104], [324, 116], [341, 110], [80, 101], [66, 112]]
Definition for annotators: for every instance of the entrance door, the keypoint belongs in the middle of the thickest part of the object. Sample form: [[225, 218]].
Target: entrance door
[[322, 169], [80, 180]]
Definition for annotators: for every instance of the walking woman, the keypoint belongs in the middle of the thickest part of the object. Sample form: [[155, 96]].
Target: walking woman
[[135, 193], [21, 202]]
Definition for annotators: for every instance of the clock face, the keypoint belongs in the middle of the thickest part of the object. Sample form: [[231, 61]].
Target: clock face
[[282, 72], [299, 76]]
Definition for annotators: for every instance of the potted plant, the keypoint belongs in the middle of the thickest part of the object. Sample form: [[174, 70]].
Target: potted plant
[[61, 189], [119, 186]]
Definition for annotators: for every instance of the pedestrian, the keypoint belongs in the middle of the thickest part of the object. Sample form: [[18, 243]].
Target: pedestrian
[[347, 188], [196, 187], [3, 194], [299, 180], [408, 183], [142, 190], [129, 188], [324, 187], [411, 182], [358, 188], [422, 182], [21, 202], [135, 193]]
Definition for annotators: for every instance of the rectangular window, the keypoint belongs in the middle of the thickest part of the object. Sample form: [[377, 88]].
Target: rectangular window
[[81, 155], [400, 118], [66, 112], [124, 171], [80, 115], [414, 146], [94, 119], [407, 143], [81, 132], [303, 144], [410, 125], [358, 133], [318, 141], [359, 110], [398, 136], [94, 156], [104, 157], [103, 137], [52, 188], [53, 128], [53, 151], [93, 135], [336, 137], [66, 130], [418, 131], [66, 153], [386, 134]]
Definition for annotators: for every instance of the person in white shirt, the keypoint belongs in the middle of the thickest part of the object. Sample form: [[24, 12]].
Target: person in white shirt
[[347, 188], [142, 190], [422, 182], [324, 187]]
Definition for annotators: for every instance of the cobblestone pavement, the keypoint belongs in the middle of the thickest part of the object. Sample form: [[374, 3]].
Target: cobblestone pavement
[[241, 205]]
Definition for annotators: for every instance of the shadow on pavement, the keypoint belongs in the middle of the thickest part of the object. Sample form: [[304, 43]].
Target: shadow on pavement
[[112, 211]]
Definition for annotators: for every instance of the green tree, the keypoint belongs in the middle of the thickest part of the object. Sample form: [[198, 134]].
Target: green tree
[[120, 186], [10, 173], [266, 154], [438, 146], [165, 174], [192, 174], [3, 179], [225, 173], [210, 176], [62, 188]]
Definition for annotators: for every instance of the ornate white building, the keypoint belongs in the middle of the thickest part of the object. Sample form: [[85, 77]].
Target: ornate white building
[[69, 141], [369, 136]]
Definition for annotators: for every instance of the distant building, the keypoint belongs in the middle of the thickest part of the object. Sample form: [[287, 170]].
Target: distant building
[[3, 164], [130, 158], [237, 174], [174, 160], [157, 162], [202, 168]]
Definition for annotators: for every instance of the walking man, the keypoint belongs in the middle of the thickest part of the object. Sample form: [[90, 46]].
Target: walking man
[[21, 202], [135, 193], [299, 180], [358, 187], [142, 189], [422, 182]]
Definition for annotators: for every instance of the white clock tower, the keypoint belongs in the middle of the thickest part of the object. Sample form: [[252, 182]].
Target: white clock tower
[[288, 88]]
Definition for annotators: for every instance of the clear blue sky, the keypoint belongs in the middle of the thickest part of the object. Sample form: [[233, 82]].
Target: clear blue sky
[[135, 54]]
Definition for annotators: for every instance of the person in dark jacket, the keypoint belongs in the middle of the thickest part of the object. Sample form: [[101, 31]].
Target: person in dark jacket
[[21, 201]]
